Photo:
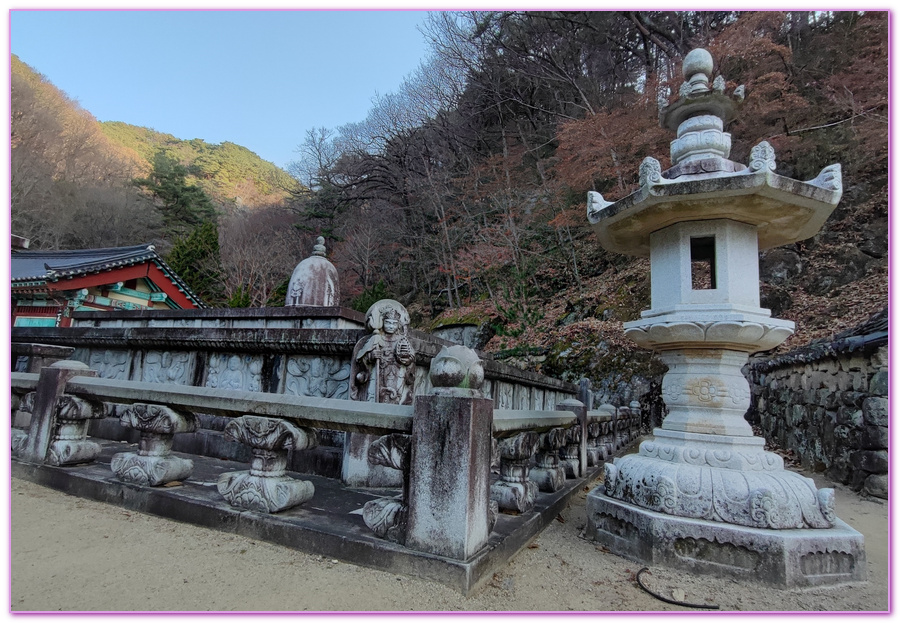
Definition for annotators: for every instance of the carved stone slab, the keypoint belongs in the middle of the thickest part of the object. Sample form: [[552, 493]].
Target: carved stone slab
[[110, 364]]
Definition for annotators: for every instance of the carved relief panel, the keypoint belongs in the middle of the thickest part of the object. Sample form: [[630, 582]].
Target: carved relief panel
[[323, 377], [229, 371], [110, 364], [167, 367]]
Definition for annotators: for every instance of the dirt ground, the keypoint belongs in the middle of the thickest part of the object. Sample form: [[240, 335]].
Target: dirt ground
[[73, 554]]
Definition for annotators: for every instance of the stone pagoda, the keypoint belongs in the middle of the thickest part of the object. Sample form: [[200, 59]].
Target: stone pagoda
[[703, 494]]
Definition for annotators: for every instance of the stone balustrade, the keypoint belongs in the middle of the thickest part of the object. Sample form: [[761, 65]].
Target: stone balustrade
[[452, 497], [292, 351]]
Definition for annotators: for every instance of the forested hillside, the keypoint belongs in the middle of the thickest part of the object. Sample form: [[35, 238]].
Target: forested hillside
[[220, 213], [462, 194]]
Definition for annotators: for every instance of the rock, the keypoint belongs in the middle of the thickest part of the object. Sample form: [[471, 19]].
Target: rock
[[850, 266], [875, 411], [780, 266], [876, 485], [874, 461], [874, 438], [875, 240], [879, 383]]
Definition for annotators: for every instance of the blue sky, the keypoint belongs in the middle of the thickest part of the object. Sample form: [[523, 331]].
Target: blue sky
[[260, 79]]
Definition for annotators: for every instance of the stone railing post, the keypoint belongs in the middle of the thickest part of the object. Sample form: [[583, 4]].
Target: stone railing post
[[513, 491], [449, 485], [635, 429], [44, 427], [574, 453], [547, 473], [154, 464], [595, 451], [265, 487], [40, 355]]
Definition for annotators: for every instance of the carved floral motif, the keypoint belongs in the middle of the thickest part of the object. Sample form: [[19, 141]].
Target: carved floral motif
[[265, 487], [153, 464], [769, 498], [762, 158], [514, 491], [387, 517], [650, 171]]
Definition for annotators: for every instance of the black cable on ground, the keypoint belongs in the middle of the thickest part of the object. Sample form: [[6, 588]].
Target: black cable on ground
[[669, 601]]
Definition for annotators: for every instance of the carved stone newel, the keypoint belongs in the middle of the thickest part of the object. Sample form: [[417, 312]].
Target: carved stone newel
[[703, 222], [70, 444], [154, 464], [265, 487]]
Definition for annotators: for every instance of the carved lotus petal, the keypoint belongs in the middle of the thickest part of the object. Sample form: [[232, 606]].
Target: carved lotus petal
[[519, 447], [72, 408], [157, 419], [269, 433], [384, 515], [774, 337], [639, 337], [390, 451], [740, 332], [676, 332]]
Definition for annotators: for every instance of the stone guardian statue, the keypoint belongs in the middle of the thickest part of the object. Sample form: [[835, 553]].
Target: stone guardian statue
[[383, 365]]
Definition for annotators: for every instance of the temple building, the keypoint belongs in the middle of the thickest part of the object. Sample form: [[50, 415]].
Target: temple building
[[47, 286]]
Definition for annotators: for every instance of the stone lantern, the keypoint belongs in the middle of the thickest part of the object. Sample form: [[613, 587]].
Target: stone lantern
[[703, 494]]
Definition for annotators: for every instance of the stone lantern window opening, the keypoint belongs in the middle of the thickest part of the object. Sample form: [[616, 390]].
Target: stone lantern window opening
[[703, 263]]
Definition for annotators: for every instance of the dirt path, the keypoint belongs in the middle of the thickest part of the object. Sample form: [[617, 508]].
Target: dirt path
[[74, 554]]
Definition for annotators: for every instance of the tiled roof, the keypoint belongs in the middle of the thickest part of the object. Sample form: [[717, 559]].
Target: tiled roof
[[50, 266]]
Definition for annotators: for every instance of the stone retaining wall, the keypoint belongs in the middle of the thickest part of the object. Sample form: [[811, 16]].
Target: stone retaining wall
[[829, 405]]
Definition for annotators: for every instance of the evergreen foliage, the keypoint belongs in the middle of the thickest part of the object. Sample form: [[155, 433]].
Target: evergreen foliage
[[229, 173], [183, 205], [195, 258], [369, 297]]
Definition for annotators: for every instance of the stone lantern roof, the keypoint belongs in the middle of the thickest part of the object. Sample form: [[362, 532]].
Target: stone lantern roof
[[703, 184]]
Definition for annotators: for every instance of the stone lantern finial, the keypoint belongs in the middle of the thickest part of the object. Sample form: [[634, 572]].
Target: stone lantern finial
[[319, 247], [697, 68]]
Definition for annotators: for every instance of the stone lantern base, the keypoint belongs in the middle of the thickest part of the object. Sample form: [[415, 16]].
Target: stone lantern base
[[780, 558]]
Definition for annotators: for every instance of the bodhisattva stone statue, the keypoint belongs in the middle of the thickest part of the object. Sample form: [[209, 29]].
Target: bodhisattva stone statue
[[383, 364]]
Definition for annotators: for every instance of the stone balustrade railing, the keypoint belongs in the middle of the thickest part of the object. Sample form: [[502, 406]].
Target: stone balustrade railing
[[452, 498]]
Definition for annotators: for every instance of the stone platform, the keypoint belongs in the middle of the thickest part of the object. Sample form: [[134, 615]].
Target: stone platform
[[781, 558], [327, 525]]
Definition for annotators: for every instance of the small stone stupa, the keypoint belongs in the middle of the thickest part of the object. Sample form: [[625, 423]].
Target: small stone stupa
[[703, 494], [314, 281]]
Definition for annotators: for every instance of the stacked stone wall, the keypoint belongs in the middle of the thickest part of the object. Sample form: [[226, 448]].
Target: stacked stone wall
[[831, 411]]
